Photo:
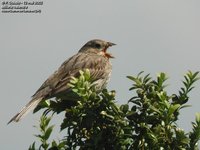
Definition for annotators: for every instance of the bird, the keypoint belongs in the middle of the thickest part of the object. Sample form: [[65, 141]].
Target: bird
[[92, 56]]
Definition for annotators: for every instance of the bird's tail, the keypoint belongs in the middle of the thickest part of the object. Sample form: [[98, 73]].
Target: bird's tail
[[30, 106]]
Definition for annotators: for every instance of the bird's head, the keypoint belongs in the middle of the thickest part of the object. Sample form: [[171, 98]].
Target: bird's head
[[98, 47]]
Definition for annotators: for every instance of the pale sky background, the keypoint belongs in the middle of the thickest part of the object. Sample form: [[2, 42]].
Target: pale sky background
[[151, 35]]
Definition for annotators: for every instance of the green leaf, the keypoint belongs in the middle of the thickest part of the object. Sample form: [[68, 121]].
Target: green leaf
[[48, 132], [87, 74], [173, 108], [124, 108], [136, 80], [198, 118], [185, 106], [32, 147], [43, 104]]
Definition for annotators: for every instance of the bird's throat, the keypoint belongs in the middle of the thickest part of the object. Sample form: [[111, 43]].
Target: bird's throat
[[105, 54]]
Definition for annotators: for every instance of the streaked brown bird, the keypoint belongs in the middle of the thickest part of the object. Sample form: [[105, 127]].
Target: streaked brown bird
[[93, 56]]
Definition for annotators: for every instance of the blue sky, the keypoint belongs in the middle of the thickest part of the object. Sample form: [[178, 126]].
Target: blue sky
[[152, 36]]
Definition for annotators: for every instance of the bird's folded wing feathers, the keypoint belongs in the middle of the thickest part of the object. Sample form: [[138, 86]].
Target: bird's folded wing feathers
[[58, 81], [97, 71]]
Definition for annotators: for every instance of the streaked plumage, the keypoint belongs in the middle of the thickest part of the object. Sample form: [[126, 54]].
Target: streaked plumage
[[93, 56]]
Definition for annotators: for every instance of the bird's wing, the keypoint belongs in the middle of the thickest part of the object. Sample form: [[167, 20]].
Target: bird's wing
[[57, 82]]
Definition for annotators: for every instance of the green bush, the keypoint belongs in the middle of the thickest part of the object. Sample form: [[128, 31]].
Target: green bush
[[93, 121]]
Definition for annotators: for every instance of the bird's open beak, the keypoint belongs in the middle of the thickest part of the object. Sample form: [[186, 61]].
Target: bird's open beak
[[108, 55], [111, 44]]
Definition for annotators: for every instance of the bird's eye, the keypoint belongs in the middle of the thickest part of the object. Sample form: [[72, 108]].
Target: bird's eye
[[97, 45]]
